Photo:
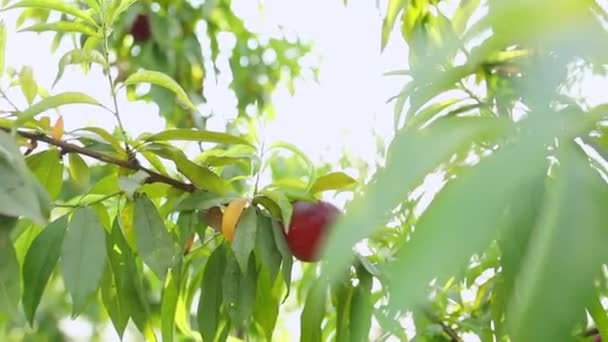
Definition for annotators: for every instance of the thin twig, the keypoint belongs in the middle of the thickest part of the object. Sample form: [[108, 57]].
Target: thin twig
[[116, 112], [8, 100], [153, 176], [446, 328]]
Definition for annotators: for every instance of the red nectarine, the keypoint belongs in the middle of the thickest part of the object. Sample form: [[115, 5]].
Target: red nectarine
[[309, 226]]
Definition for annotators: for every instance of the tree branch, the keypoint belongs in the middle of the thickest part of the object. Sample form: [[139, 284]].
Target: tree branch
[[153, 176]]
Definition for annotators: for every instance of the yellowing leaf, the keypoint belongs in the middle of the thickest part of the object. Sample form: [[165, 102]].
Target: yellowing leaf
[[57, 131], [163, 80]]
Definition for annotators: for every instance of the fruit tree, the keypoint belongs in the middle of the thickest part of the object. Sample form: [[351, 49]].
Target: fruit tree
[[484, 219]]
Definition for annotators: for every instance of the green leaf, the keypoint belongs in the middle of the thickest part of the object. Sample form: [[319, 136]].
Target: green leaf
[[267, 300], [342, 295], [463, 14], [154, 242], [265, 247], [599, 315], [575, 198], [313, 314], [106, 136], [405, 169], [332, 181], [198, 135], [79, 170], [295, 150], [83, 257], [62, 26], [131, 183], [361, 307], [54, 102], [244, 237], [79, 56], [163, 80], [48, 169], [208, 312], [40, 260], [394, 8], [281, 243], [112, 301], [10, 277], [201, 200], [2, 46], [239, 290], [283, 202], [128, 281], [59, 6], [28, 84], [168, 305], [20, 193]]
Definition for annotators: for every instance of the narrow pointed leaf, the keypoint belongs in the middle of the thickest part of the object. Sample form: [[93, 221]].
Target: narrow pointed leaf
[[332, 181], [154, 242], [83, 257], [55, 5], [28, 85], [48, 169], [163, 80], [10, 277], [79, 170], [55, 101], [62, 26], [40, 261], [208, 312], [198, 135], [79, 56], [244, 237]]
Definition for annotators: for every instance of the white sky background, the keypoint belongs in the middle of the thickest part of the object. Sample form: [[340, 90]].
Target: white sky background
[[341, 111]]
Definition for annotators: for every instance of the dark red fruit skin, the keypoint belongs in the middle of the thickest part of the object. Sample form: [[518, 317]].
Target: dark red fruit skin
[[140, 30], [309, 226]]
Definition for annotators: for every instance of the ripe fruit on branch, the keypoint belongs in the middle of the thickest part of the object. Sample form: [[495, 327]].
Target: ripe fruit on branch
[[310, 224], [140, 30], [231, 216]]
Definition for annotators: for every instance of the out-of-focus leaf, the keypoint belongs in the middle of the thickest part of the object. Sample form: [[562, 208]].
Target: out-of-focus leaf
[[169, 304], [40, 261], [154, 242], [2, 46], [54, 102], [267, 300], [83, 257], [79, 170], [394, 8], [28, 84], [57, 129], [20, 192], [59, 6], [599, 315], [48, 169], [130, 184], [361, 307], [78, 56], [463, 14], [313, 313], [105, 136], [244, 237], [198, 135], [10, 277], [574, 199], [62, 26], [405, 169], [208, 312], [332, 181], [298, 152], [163, 80]]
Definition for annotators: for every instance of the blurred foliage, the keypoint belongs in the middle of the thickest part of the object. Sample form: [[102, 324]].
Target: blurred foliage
[[484, 219]]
